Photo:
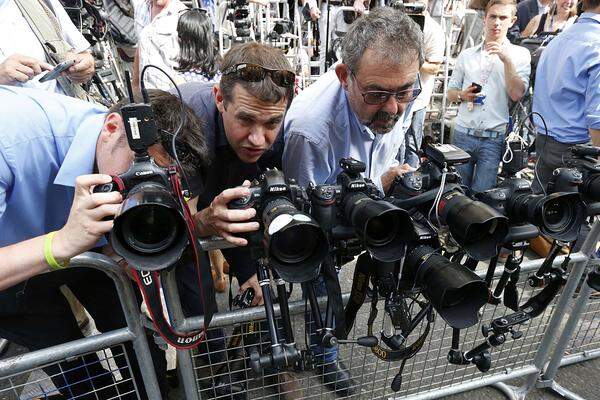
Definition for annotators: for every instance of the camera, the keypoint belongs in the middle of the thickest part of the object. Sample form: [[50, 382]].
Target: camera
[[150, 230], [558, 215], [582, 173], [434, 190], [354, 208], [281, 28], [293, 242]]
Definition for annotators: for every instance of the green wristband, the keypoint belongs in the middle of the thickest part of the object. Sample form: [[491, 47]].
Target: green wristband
[[52, 263]]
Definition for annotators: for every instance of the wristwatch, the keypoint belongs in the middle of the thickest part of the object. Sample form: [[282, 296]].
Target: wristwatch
[[459, 98]]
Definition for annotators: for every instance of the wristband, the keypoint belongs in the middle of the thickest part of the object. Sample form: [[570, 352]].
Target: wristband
[[50, 260]]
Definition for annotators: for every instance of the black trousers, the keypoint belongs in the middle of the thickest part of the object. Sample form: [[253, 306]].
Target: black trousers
[[35, 314]]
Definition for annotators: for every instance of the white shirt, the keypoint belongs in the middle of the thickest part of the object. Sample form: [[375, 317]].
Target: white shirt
[[142, 14], [434, 41], [159, 45], [471, 66], [543, 8], [17, 37]]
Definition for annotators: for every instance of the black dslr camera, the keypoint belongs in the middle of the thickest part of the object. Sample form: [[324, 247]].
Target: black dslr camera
[[354, 209], [558, 215], [150, 230], [291, 239], [581, 174], [434, 190]]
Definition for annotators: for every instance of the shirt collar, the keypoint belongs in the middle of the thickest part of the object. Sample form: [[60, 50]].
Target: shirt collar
[[590, 15], [363, 128], [81, 155]]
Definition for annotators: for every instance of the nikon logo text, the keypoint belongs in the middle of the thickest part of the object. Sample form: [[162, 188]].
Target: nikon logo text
[[277, 189]]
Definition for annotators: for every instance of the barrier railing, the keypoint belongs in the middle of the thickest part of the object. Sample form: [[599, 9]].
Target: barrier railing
[[99, 366]]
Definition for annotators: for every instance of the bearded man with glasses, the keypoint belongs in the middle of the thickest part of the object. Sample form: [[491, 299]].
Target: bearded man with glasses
[[359, 109]]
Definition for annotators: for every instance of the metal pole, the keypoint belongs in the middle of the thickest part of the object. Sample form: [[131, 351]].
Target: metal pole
[[184, 357], [132, 314], [559, 311]]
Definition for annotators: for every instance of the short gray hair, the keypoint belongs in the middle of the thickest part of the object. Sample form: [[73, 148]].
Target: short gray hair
[[388, 32]]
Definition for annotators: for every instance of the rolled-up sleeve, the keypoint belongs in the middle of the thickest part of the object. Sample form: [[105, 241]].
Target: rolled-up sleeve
[[523, 65], [458, 74], [305, 160], [592, 98]]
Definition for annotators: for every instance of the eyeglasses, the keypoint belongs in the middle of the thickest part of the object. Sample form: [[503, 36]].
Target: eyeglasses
[[256, 73], [377, 97]]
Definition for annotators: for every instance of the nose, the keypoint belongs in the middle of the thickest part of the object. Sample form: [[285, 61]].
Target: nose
[[257, 136], [391, 106]]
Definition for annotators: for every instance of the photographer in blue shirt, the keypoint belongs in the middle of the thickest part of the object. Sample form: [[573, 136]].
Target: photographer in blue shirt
[[567, 93], [53, 150], [359, 109]]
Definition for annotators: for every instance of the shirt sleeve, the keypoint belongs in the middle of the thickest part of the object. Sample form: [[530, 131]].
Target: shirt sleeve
[[304, 160], [436, 45], [458, 74], [523, 65], [592, 98], [70, 32]]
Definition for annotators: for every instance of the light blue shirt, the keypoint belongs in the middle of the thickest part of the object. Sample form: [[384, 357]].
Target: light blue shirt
[[320, 128], [567, 84], [46, 141], [476, 66]]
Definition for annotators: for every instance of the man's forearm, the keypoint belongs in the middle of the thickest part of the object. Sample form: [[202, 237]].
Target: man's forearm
[[453, 94], [514, 85], [430, 68], [21, 261]]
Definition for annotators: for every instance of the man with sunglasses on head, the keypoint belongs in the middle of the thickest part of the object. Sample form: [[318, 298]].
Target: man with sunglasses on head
[[359, 109], [242, 118]]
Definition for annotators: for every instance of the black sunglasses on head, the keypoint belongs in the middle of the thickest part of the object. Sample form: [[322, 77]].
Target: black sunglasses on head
[[256, 73]]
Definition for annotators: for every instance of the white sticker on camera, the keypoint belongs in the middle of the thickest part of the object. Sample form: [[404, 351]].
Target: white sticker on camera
[[280, 222]]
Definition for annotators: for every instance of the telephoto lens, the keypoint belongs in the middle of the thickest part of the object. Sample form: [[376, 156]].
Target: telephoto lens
[[558, 215], [149, 230], [477, 227], [383, 227], [455, 291]]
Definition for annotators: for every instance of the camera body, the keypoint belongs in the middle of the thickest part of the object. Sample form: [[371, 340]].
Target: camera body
[[280, 207], [582, 173], [354, 209], [239, 14]]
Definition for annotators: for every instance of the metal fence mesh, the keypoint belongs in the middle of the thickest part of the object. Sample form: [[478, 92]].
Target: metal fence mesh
[[586, 336], [102, 375], [428, 370]]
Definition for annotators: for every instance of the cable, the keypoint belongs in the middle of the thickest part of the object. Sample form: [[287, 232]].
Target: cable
[[438, 197], [182, 120], [535, 168]]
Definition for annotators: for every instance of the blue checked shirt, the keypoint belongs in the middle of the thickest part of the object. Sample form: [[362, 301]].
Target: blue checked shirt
[[46, 141], [567, 84]]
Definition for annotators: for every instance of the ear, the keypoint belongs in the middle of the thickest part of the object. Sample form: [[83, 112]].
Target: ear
[[513, 20], [342, 72], [112, 129], [219, 100]]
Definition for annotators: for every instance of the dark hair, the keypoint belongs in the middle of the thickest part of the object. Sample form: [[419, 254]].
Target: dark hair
[[191, 146], [196, 43], [389, 32], [511, 3], [259, 54], [590, 4]]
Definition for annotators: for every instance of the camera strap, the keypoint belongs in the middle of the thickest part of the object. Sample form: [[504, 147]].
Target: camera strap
[[362, 274], [149, 282]]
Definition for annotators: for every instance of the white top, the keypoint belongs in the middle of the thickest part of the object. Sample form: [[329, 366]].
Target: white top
[[142, 14], [434, 40], [159, 45], [474, 65], [17, 37]]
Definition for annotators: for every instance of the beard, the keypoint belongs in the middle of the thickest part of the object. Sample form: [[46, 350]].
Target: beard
[[382, 122]]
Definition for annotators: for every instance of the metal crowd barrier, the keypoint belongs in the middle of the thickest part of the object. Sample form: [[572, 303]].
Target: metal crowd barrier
[[427, 375], [21, 377]]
